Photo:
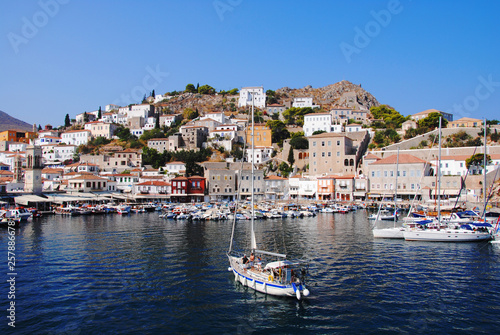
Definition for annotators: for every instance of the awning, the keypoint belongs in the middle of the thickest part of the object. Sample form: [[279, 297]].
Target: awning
[[307, 193], [25, 199]]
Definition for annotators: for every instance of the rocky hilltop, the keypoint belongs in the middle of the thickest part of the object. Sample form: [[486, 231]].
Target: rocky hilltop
[[8, 122], [341, 94]]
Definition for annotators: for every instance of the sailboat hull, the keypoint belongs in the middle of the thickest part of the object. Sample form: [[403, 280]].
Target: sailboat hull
[[396, 233], [446, 235], [259, 282]]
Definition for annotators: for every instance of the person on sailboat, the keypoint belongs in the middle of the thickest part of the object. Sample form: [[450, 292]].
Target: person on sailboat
[[244, 261], [252, 259]]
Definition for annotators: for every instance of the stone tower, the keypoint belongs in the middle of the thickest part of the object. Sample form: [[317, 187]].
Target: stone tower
[[33, 173]]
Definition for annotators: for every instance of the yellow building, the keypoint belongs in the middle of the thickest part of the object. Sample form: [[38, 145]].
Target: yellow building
[[17, 136], [262, 135], [465, 122]]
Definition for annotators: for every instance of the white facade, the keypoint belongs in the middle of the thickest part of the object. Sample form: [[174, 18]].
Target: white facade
[[353, 127], [159, 98], [143, 111], [111, 107], [317, 121], [175, 167], [259, 97], [61, 153], [17, 146], [308, 189], [222, 134], [44, 133], [233, 127], [167, 120], [261, 154], [47, 140], [76, 137], [456, 165], [219, 117], [303, 102]]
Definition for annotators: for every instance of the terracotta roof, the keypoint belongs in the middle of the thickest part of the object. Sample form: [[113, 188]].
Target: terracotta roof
[[403, 159], [6, 173], [428, 111], [176, 162], [372, 156], [158, 139], [274, 178], [466, 119], [275, 105]]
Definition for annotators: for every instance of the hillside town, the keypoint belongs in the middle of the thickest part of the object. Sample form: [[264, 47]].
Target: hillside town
[[306, 147]]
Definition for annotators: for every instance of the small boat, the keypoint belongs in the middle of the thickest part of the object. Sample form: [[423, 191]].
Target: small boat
[[123, 209]]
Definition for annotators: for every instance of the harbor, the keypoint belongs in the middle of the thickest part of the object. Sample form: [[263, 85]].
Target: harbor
[[170, 276]]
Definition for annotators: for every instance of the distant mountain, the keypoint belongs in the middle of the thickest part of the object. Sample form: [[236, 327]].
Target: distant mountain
[[8, 122]]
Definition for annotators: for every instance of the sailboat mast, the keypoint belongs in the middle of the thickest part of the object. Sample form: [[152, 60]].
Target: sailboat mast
[[396, 190], [439, 175], [253, 242], [484, 169]]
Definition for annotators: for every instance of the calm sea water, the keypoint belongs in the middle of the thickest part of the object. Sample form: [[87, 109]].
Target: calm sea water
[[142, 274]]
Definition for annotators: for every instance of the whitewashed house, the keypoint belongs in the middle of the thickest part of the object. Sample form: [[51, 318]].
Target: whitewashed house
[[76, 137], [175, 167], [320, 122], [304, 102], [261, 154], [259, 97], [17, 146]]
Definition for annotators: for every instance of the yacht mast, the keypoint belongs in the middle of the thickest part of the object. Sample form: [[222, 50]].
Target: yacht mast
[[396, 190], [253, 242], [484, 171], [439, 175]]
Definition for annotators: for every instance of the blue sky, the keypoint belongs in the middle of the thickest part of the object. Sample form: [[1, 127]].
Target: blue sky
[[66, 56]]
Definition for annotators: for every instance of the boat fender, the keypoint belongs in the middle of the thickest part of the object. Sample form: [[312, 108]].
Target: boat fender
[[270, 278], [297, 293], [229, 269], [305, 292]]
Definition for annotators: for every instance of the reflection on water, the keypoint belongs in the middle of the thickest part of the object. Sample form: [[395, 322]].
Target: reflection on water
[[140, 273]]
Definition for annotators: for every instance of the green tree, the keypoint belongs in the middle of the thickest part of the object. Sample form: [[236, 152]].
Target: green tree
[[431, 122], [290, 158], [271, 97], [316, 132], [495, 137], [99, 114], [40, 127], [284, 169], [299, 142], [392, 118], [492, 122], [206, 89], [151, 157], [190, 89], [153, 133], [295, 115], [67, 121], [278, 131], [157, 121], [123, 133], [190, 114], [478, 160]]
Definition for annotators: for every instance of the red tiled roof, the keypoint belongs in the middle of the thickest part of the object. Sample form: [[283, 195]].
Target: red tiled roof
[[403, 159]]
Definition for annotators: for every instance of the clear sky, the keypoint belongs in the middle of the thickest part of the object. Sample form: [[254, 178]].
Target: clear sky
[[70, 56]]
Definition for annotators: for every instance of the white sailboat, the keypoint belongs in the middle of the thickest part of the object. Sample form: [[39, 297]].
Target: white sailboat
[[280, 277], [452, 232]]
